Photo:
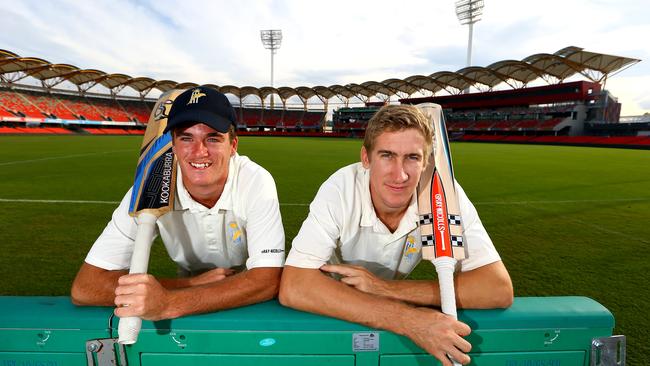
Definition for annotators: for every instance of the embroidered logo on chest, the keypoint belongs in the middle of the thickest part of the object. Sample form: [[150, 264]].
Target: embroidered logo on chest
[[234, 233], [411, 249]]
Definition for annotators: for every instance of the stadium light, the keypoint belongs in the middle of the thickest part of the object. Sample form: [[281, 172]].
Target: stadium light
[[469, 12], [271, 39]]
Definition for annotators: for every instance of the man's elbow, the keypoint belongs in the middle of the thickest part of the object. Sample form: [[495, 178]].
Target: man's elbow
[[288, 295], [505, 294], [266, 282], [497, 279], [273, 287], [284, 295], [79, 296]]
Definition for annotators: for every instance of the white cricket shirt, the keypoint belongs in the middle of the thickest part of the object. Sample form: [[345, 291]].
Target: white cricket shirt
[[243, 228], [342, 227]]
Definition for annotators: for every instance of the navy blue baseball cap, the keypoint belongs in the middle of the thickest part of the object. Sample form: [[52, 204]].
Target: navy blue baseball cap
[[202, 104]]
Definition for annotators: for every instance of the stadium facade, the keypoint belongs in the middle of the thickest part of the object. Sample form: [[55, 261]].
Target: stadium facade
[[506, 102]]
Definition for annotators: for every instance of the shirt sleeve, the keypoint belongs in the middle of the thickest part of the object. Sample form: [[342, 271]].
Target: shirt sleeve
[[264, 230], [481, 250], [113, 248], [317, 239]]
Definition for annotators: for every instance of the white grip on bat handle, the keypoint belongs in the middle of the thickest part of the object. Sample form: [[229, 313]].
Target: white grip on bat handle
[[445, 268], [129, 327]]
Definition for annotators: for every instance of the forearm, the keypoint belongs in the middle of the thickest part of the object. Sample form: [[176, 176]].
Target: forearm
[[485, 287], [175, 283], [309, 290], [416, 292], [94, 286], [245, 288]]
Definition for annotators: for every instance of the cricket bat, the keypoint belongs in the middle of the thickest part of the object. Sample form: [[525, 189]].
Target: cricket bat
[[152, 196], [441, 226]]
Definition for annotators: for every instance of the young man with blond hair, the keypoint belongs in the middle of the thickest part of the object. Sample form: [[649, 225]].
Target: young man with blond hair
[[363, 229]]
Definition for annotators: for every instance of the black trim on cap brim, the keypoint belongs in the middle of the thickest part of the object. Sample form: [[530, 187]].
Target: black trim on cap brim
[[208, 118]]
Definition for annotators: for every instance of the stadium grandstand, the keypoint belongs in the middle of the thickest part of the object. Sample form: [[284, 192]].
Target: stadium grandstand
[[504, 103]]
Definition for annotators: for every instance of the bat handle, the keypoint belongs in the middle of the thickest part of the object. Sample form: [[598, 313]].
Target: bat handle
[[445, 268], [129, 327]]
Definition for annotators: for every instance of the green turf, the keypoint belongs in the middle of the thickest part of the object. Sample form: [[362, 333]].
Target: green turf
[[566, 220]]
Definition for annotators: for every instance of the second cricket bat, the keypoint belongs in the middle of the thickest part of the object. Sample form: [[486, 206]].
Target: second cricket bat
[[441, 226]]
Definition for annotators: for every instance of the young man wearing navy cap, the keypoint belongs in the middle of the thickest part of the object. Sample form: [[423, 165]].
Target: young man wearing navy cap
[[225, 232]]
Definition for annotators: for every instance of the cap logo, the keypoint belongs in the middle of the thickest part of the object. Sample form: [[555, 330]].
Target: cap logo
[[196, 94]]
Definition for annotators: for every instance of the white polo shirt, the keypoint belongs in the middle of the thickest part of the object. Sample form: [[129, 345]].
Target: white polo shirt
[[243, 228], [342, 227]]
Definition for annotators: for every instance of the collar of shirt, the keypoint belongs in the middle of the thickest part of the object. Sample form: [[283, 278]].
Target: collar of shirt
[[184, 200], [369, 217]]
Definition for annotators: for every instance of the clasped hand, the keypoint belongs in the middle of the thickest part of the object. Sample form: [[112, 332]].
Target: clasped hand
[[359, 278], [143, 296]]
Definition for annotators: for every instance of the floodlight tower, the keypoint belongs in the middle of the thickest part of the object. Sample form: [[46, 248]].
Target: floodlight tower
[[271, 39], [469, 12]]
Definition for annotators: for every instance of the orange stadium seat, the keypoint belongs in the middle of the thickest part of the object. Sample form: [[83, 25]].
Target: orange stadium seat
[[483, 125], [16, 102], [503, 125], [252, 117], [356, 125], [313, 119], [643, 141], [465, 125], [58, 130], [50, 105], [137, 110], [527, 124], [489, 138], [516, 138], [135, 132], [31, 130], [80, 108], [555, 139], [550, 124], [109, 109], [94, 131], [5, 113], [292, 118], [116, 131], [9, 130], [272, 117]]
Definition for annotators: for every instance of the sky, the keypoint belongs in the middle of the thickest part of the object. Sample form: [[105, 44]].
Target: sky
[[324, 42]]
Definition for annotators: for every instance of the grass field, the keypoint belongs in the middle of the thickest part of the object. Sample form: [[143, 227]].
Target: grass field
[[566, 220]]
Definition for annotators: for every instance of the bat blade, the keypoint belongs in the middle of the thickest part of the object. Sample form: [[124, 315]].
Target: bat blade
[[440, 220], [154, 177], [151, 197]]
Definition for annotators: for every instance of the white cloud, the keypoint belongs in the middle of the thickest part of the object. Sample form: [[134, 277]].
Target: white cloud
[[633, 92]]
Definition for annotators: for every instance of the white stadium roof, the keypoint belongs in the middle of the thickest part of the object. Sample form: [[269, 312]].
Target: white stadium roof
[[554, 67]]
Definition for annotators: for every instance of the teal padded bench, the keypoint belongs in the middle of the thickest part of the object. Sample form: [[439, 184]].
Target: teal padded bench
[[542, 331]]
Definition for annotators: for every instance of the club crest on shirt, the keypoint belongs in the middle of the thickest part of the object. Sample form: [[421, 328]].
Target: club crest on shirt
[[411, 249], [234, 233]]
